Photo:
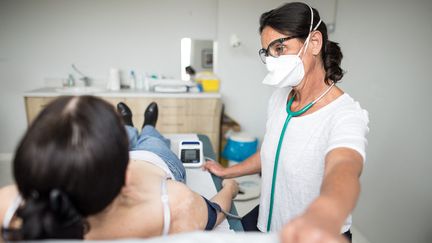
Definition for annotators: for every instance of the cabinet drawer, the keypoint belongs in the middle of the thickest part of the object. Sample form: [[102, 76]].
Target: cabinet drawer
[[201, 124], [113, 101], [172, 124], [186, 124], [138, 105], [172, 106], [34, 105], [166, 106], [203, 106]]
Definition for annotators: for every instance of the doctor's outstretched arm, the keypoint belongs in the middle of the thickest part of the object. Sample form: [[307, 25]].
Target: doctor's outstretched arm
[[340, 190], [251, 165]]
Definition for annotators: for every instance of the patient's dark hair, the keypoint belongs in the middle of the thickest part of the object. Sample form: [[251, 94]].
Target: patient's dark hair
[[293, 19], [71, 163]]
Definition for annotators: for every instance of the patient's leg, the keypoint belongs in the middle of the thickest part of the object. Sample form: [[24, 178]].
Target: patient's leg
[[151, 140], [150, 131], [126, 114], [132, 133]]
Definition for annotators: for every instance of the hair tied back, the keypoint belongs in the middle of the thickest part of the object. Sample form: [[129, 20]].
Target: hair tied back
[[61, 205]]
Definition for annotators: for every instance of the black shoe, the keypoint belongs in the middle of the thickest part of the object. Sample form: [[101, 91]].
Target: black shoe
[[125, 113], [151, 115]]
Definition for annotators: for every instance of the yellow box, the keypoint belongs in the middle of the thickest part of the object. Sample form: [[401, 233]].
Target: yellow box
[[210, 85]]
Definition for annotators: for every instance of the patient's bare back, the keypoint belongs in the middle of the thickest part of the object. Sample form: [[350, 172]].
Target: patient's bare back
[[138, 210]]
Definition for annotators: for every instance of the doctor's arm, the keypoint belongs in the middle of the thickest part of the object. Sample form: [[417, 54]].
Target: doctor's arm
[[251, 165], [340, 190]]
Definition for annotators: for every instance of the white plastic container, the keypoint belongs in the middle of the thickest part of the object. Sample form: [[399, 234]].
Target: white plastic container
[[114, 79], [140, 82], [132, 80]]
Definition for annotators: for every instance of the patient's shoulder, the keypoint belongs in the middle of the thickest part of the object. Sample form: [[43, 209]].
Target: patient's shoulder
[[7, 195]]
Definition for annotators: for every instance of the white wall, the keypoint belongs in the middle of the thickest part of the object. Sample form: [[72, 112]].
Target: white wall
[[387, 45], [240, 69], [40, 39], [387, 55]]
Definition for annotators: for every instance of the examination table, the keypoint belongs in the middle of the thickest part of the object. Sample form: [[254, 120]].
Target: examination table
[[206, 184]]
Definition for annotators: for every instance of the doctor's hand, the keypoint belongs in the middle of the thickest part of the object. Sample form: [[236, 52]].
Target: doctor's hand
[[215, 168], [311, 228]]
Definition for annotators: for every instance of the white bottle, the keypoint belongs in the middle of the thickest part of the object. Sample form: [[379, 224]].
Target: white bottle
[[140, 82], [146, 83], [132, 80], [114, 79]]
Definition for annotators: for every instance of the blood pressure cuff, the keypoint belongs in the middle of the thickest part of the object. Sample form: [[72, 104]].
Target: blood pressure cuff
[[212, 210]]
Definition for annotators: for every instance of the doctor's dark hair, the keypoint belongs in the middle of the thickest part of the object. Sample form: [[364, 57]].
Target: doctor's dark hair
[[293, 19], [71, 163]]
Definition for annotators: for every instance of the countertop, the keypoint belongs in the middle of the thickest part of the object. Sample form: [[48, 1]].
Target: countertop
[[52, 92]]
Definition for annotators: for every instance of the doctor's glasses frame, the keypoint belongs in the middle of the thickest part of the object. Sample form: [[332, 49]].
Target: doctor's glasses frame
[[275, 48]]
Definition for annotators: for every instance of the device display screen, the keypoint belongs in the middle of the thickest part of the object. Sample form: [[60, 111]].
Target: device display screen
[[190, 155]]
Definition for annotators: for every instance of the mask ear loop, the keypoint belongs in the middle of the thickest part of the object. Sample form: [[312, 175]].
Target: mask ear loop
[[307, 39], [310, 31]]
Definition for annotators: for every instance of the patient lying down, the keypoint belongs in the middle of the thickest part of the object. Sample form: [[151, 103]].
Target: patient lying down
[[75, 179]]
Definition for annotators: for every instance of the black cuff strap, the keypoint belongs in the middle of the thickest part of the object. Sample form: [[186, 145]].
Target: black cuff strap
[[213, 209]]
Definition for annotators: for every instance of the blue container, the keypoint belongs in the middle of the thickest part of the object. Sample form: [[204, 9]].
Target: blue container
[[240, 147]]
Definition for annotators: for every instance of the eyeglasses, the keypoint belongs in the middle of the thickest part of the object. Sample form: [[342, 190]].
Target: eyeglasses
[[275, 48]]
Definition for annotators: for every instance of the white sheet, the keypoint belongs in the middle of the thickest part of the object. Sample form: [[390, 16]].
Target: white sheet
[[214, 237]]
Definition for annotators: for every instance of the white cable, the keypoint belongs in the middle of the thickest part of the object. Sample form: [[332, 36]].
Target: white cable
[[208, 158], [228, 215]]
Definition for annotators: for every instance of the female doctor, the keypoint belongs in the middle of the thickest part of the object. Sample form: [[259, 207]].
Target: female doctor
[[313, 149]]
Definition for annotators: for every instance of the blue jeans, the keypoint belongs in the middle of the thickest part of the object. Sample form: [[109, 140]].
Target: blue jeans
[[151, 140]]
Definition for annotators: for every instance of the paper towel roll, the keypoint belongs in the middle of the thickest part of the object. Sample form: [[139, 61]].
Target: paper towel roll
[[114, 79]]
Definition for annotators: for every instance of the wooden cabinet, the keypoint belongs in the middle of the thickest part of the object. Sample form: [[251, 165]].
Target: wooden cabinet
[[176, 115], [34, 105]]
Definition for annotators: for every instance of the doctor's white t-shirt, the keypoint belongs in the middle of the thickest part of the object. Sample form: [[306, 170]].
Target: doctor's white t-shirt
[[342, 123]]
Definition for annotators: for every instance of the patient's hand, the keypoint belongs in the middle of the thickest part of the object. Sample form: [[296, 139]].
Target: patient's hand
[[232, 185]]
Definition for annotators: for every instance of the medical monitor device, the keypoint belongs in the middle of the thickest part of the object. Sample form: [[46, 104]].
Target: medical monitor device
[[191, 153]]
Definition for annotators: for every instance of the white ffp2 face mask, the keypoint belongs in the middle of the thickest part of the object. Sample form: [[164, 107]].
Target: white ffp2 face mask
[[284, 71], [287, 70]]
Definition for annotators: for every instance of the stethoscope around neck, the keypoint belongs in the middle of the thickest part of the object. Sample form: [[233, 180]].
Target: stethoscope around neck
[[290, 115]]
